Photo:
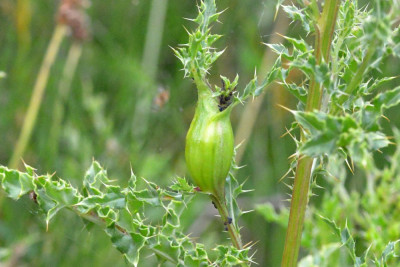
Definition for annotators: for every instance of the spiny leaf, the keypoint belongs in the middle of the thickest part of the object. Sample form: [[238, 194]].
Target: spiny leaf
[[297, 14], [387, 252], [180, 184], [15, 183], [119, 211], [128, 244], [198, 54], [327, 134], [347, 240]]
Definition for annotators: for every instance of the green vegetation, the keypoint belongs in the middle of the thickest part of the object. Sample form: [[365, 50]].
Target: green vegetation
[[102, 82]]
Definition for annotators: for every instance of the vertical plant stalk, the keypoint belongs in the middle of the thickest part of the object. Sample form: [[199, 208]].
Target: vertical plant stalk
[[154, 35], [64, 87], [324, 32], [37, 95], [149, 64]]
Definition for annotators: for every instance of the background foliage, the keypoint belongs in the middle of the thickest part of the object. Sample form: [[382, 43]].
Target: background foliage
[[114, 113]]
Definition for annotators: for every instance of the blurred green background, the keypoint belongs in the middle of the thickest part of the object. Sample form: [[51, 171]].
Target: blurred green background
[[128, 106]]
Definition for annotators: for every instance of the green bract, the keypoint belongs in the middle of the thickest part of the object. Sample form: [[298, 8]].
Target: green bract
[[209, 145]]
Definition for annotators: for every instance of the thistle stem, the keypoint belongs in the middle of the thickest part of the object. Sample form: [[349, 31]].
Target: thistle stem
[[233, 232], [223, 211], [324, 31], [297, 211]]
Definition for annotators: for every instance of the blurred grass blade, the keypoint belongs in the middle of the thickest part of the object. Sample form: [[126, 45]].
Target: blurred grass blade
[[37, 95]]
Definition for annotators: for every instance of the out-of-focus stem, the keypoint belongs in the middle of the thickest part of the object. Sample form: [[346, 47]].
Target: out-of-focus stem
[[23, 15], [37, 95], [154, 34], [64, 87], [149, 64]]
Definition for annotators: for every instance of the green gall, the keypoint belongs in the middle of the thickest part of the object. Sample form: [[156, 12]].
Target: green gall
[[209, 145]]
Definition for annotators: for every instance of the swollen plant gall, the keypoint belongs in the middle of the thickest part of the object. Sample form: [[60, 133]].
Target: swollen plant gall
[[209, 146]]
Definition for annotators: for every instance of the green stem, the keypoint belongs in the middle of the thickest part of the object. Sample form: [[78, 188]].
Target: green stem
[[324, 31], [223, 211], [202, 88], [314, 96], [326, 25], [234, 233], [37, 96], [297, 211]]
